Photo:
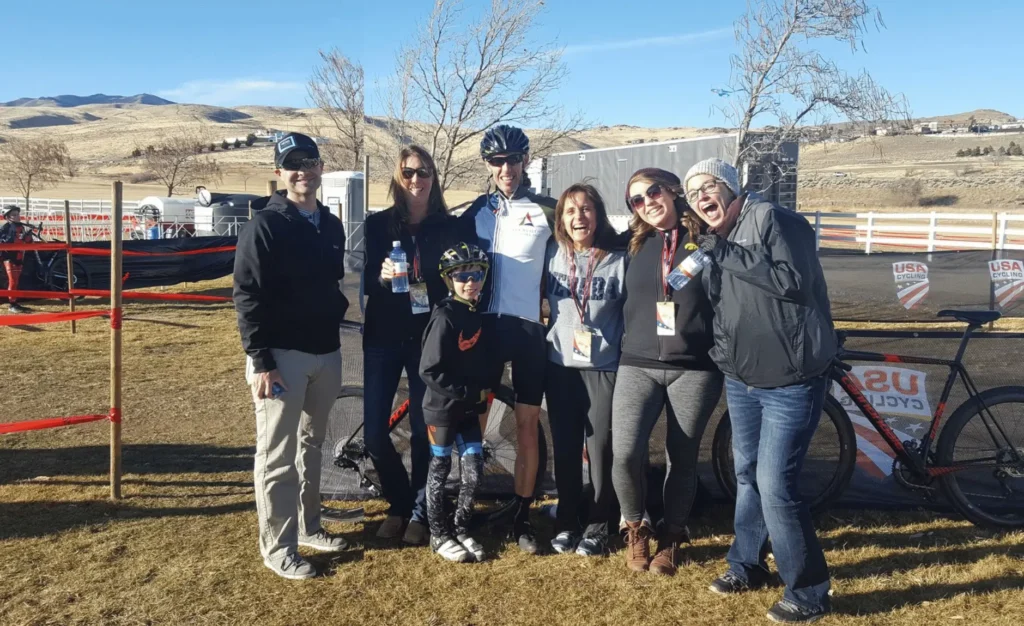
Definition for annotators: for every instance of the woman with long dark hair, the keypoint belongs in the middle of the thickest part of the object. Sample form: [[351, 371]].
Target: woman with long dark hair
[[586, 267], [665, 364], [393, 331]]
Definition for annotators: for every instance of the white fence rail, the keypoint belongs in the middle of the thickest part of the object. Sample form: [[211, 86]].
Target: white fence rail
[[919, 231], [53, 204]]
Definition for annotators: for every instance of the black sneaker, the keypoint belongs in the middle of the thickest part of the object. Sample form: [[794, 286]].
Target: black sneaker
[[522, 534], [593, 545], [17, 308], [565, 542], [785, 612], [730, 582]]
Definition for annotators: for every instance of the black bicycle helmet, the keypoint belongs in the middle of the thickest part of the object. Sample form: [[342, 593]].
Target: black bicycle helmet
[[504, 139], [461, 255], [148, 211], [10, 208]]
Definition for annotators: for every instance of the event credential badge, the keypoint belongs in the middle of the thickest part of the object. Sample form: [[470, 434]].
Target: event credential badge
[[418, 298], [582, 339], [666, 319]]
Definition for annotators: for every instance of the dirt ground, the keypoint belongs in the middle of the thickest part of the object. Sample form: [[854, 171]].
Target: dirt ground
[[180, 548]]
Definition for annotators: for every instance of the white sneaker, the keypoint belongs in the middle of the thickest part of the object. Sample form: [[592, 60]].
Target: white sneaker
[[323, 541], [475, 549], [450, 549], [291, 566]]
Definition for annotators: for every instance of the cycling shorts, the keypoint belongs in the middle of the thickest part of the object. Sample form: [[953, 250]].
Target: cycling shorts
[[522, 343]]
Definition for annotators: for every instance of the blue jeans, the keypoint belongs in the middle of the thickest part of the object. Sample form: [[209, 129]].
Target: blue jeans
[[382, 371], [771, 431]]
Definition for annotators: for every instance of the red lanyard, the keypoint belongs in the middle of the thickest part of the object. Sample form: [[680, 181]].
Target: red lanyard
[[416, 263], [668, 255], [581, 306]]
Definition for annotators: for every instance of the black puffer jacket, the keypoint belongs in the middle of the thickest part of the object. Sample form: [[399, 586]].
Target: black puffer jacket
[[773, 320], [641, 345], [287, 282]]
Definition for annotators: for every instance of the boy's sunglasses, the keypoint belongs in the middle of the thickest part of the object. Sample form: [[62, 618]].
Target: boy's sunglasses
[[512, 159], [464, 277], [653, 192], [422, 172], [296, 165]]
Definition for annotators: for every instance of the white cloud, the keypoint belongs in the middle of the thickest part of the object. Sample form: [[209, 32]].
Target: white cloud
[[648, 42], [234, 92]]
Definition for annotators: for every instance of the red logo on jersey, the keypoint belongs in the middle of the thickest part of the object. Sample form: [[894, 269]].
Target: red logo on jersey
[[466, 344]]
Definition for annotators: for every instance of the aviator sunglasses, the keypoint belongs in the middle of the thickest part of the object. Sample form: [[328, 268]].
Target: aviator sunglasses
[[653, 192], [294, 165]]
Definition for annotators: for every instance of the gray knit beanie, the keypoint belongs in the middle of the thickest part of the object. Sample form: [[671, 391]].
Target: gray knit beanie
[[719, 169]]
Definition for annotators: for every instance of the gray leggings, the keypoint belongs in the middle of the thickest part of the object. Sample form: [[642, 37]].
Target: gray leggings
[[689, 398]]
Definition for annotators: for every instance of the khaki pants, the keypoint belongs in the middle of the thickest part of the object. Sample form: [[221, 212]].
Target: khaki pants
[[289, 432]]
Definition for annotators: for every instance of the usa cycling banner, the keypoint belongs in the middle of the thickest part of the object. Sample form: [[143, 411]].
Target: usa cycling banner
[[1007, 281]]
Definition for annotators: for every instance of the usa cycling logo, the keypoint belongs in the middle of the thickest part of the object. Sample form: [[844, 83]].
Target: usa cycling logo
[[1007, 280], [911, 283]]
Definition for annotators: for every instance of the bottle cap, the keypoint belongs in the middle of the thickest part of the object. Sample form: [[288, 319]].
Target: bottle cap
[[396, 244]]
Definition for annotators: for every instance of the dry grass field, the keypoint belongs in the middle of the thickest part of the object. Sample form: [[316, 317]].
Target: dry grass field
[[180, 548]]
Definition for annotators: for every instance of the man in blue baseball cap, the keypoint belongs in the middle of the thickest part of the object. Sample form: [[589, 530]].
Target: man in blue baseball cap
[[288, 271]]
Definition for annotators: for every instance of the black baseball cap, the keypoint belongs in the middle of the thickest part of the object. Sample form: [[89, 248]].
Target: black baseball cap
[[292, 142]]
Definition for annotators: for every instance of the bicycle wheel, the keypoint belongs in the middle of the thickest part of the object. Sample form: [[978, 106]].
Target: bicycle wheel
[[828, 465], [500, 458], [987, 449]]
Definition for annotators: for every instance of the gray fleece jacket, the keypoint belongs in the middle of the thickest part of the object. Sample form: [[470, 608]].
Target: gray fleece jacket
[[603, 313]]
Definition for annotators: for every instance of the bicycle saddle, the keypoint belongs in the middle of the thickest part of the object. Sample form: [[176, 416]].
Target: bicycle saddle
[[975, 318]]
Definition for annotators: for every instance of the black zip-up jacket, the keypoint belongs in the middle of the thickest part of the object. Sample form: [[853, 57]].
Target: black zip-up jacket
[[455, 363], [773, 320], [388, 319], [641, 345], [287, 282]]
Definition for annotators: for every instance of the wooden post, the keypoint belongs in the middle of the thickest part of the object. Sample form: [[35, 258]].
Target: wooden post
[[115, 342], [995, 253], [366, 186], [271, 187], [71, 263]]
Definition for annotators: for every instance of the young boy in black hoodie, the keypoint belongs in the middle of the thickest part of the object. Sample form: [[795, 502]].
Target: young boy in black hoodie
[[454, 367]]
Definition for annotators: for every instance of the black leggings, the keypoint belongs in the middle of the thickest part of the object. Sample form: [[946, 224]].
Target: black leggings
[[467, 437]]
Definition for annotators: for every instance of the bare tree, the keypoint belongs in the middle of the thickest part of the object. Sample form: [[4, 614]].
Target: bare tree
[[463, 75], [34, 164], [778, 75], [177, 161], [337, 88]]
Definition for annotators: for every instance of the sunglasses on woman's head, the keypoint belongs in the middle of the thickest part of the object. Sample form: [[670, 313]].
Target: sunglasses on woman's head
[[653, 192], [422, 172], [464, 277], [512, 159]]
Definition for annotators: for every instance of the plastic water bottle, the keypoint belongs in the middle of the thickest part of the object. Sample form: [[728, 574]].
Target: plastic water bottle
[[400, 281], [690, 267]]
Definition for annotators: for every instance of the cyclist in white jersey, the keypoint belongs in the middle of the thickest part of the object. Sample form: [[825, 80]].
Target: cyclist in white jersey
[[513, 226]]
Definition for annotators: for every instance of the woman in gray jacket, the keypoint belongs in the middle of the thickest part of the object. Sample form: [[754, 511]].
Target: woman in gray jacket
[[584, 287]]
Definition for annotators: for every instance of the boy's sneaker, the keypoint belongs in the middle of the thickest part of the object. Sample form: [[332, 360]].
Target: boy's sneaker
[[416, 534], [391, 528], [786, 612], [291, 566], [450, 549], [593, 545], [564, 542], [323, 541], [729, 583], [475, 549], [17, 308]]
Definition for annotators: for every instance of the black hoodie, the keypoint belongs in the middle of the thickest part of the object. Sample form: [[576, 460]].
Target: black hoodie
[[455, 364], [641, 345], [287, 281]]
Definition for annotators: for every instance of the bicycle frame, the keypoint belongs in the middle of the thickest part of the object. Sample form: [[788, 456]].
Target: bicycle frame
[[399, 414], [917, 460]]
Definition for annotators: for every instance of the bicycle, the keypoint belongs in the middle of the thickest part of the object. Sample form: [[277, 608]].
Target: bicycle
[[53, 271], [347, 466], [998, 505]]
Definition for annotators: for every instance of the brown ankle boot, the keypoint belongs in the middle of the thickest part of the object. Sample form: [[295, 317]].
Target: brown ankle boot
[[664, 562], [638, 548]]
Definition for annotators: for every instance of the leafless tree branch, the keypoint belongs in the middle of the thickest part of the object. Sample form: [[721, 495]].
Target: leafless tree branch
[[35, 164], [177, 161], [337, 88]]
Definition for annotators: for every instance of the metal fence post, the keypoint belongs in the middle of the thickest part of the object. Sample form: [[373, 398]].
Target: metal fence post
[[871, 225], [931, 233], [817, 231]]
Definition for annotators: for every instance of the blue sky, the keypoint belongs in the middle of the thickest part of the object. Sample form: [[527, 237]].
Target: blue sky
[[651, 64]]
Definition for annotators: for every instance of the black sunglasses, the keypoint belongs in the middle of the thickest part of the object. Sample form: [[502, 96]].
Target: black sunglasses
[[294, 165], [512, 159], [653, 192], [464, 277], [422, 172]]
